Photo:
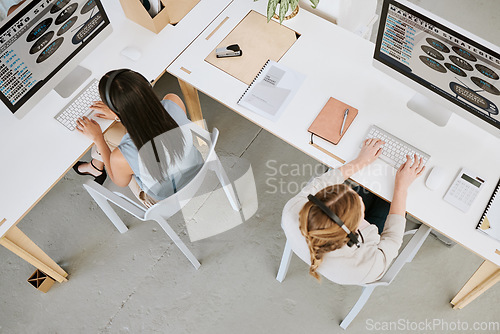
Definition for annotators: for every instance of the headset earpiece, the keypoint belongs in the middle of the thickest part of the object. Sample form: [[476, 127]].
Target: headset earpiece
[[353, 237], [107, 88]]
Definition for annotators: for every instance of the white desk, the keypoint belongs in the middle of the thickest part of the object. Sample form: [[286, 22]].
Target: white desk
[[341, 67], [37, 151]]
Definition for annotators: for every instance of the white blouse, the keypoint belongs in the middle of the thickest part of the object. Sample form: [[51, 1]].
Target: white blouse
[[346, 265]]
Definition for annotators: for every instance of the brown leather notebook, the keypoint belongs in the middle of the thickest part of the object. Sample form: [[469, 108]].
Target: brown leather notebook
[[328, 123]]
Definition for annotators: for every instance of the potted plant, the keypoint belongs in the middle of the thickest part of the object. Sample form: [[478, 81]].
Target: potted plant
[[285, 6]]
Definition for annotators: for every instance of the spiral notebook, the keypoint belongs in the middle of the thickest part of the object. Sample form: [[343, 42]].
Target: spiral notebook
[[490, 220], [271, 90]]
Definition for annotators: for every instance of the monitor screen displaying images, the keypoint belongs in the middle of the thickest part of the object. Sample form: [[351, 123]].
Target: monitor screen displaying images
[[457, 68], [39, 40]]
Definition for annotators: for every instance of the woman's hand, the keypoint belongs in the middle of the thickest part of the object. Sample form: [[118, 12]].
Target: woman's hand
[[103, 110], [408, 172], [89, 128], [370, 151]]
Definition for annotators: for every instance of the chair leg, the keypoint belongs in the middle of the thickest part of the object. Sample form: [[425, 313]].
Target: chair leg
[[285, 262], [226, 185], [365, 294], [417, 240], [175, 238], [108, 210]]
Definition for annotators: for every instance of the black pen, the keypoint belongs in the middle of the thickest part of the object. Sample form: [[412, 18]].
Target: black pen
[[343, 121]]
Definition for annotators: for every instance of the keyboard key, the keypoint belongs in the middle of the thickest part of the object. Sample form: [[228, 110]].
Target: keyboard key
[[79, 106], [395, 150]]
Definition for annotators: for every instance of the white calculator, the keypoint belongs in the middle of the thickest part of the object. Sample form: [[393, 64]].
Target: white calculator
[[464, 190]]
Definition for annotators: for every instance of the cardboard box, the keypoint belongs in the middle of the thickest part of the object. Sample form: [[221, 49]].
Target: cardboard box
[[41, 281], [172, 12]]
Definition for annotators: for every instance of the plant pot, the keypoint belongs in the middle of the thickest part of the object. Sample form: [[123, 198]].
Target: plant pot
[[289, 14]]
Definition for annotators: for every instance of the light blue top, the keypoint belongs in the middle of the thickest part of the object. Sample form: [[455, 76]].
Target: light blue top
[[180, 173]]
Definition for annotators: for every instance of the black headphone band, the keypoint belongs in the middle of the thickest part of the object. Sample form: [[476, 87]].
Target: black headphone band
[[107, 97], [353, 237]]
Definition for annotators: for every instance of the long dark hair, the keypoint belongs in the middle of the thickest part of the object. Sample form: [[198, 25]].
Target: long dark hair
[[132, 98]]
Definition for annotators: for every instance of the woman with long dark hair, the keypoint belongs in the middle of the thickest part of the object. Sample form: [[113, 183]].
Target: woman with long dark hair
[[155, 155]]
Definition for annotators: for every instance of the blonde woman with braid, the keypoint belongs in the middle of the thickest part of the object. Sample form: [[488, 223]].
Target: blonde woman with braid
[[318, 240]]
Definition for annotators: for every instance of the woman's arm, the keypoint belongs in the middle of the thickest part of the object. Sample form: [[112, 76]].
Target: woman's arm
[[177, 100], [121, 172], [405, 176], [392, 236], [370, 151], [116, 165]]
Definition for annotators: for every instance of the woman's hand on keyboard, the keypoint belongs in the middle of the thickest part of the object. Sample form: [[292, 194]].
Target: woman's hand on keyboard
[[89, 128], [408, 172], [370, 151], [103, 110]]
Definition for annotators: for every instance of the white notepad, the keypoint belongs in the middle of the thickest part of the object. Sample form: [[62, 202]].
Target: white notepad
[[490, 220], [272, 89]]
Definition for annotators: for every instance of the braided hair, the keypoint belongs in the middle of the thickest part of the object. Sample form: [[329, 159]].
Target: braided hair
[[321, 233]]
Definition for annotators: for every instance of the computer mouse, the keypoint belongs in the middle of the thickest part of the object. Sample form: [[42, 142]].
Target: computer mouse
[[435, 178], [131, 53]]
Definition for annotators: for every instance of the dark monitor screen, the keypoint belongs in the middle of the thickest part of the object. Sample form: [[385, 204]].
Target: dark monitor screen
[[457, 67], [40, 40]]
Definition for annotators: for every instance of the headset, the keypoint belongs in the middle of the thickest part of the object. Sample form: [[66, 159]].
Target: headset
[[112, 77], [353, 237], [107, 88]]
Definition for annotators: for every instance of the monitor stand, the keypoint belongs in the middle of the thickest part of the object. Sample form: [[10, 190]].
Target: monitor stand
[[432, 111], [72, 81]]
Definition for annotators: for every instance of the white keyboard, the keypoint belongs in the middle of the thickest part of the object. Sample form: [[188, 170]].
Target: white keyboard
[[79, 106], [395, 150]]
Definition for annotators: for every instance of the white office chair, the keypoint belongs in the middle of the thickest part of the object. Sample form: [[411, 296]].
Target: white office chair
[[166, 208], [406, 255], [357, 16]]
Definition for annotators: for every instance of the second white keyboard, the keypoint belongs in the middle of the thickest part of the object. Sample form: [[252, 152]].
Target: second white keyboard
[[394, 150], [79, 106]]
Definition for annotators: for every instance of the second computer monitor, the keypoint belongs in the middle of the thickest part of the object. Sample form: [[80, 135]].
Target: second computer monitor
[[41, 43], [442, 62]]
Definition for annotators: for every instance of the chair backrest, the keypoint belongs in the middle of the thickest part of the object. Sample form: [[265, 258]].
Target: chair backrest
[[172, 204], [403, 257], [406, 255]]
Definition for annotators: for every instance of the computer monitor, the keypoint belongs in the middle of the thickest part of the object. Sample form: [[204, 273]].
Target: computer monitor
[[41, 45], [451, 69]]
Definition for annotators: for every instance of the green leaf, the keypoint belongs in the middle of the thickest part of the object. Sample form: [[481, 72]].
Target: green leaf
[[283, 9], [271, 8], [314, 3], [294, 4]]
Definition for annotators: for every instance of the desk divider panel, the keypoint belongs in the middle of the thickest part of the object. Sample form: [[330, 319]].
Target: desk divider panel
[[259, 41], [177, 9], [171, 13]]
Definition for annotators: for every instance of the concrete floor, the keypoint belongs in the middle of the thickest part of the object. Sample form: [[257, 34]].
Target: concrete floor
[[139, 282]]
